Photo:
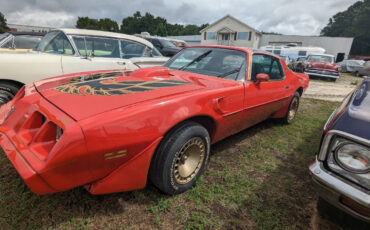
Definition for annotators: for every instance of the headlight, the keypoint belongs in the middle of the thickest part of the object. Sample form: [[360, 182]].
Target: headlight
[[349, 157], [353, 157]]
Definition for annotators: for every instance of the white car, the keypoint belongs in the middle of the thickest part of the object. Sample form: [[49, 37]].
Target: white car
[[65, 51], [351, 65]]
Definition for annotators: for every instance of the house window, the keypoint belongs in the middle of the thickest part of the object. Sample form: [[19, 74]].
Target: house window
[[302, 53], [242, 36], [211, 36]]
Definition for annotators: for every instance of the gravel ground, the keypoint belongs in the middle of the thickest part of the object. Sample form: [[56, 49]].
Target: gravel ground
[[332, 91]]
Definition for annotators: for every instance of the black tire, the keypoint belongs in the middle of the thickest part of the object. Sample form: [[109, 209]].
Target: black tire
[[293, 105], [164, 168], [7, 91]]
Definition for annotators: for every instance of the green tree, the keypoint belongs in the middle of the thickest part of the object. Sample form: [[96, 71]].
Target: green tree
[[354, 22], [3, 25], [156, 25], [107, 24], [161, 30], [104, 24]]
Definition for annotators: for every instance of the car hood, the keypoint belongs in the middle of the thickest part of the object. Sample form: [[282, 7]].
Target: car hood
[[323, 65], [356, 117], [86, 94]]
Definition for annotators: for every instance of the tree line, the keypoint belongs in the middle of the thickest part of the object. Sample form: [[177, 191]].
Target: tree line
[[138, 23], [354, 22]]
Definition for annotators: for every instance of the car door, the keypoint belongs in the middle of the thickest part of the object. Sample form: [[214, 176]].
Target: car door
[[262, 99], [95, 53]]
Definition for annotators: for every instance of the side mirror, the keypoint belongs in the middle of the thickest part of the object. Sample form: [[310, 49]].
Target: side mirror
[[261, 77]]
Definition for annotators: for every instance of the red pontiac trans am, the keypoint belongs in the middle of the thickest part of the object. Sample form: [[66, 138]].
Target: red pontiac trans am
[[112, 131]]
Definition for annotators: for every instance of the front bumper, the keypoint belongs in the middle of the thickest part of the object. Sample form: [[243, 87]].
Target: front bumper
[[29, 175], [339, 193], [322, 73]]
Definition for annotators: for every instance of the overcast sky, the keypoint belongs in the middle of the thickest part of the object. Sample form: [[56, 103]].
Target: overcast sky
[[301, 17]]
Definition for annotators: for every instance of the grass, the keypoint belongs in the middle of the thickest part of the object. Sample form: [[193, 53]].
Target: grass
[[257, 179]]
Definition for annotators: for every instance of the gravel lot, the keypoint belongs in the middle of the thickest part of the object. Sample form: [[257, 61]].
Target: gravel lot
[[332, 91]]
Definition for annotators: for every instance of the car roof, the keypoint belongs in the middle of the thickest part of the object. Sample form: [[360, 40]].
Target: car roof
[[222, 47], [104, 34], [328, 55], [27, 33]]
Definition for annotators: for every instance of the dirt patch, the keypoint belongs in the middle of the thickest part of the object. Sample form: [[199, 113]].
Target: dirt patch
[[332, 91]]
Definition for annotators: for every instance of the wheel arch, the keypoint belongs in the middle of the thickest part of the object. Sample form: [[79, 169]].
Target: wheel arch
[[13, 82], [205, 120], [300, 90]]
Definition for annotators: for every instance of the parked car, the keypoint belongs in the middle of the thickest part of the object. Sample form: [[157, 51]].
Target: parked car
[[321, 65], [364, 70], [297, 64], [341, 170], [111, 131], [286, 59], [164, 46], [20, 41], [66, 51], [350, 65]]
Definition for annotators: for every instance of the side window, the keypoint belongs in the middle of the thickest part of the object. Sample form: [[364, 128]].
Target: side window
[[102, 47], [131, 49], [156, 53], [266, 64], [156, 43], [302, 53], [276, 70], [80, 45], [97, 47]]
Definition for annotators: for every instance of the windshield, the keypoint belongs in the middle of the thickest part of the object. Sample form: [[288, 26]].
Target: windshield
[[166, 43], [26, 41], [55, 42], [217, 62], [321, 58], [3, 36]]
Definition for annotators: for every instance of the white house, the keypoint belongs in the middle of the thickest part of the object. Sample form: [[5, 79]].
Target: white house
[[230, 31]]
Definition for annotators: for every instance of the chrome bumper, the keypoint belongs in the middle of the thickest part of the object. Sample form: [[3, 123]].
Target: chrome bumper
[[333, 189], [322, 75]]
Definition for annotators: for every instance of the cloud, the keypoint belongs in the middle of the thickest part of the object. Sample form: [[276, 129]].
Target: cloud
[[302, 17]]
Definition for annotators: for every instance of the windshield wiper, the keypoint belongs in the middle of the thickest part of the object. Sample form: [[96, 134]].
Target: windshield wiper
[[197, 59], [228, 73]]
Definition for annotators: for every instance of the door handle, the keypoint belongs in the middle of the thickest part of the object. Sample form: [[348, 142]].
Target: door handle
[[121, 63], [287, 86]]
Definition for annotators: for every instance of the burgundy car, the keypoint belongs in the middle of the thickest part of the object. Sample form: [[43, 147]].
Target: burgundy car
[[322, 65]]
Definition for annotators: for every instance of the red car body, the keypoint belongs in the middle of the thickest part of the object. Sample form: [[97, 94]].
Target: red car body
[[112, 123]]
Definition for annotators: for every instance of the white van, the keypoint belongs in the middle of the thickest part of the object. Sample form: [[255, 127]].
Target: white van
[[293, 52]]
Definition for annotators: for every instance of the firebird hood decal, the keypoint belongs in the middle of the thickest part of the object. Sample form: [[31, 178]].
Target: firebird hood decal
[[95, 76], [109, 87]]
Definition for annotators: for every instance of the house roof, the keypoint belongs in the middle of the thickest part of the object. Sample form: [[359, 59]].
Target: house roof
[[229, 16]]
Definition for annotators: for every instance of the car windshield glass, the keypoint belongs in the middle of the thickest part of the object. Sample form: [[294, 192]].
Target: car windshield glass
[[166, 43], [217, 62], [320, 58], [55, 42], [26, 41], [3, 36]]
